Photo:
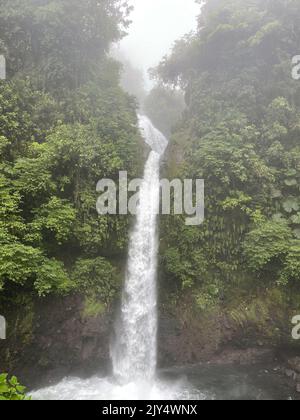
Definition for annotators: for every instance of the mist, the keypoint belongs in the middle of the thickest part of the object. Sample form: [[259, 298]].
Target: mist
[[155, 26]]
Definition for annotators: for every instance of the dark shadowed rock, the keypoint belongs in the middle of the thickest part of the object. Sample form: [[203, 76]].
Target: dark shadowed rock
[[294, 364]]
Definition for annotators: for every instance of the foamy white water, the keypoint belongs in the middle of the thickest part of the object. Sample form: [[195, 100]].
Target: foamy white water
[[134, 351], [108, 389]]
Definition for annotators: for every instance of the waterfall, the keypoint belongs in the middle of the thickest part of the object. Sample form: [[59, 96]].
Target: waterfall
[[134, 350]]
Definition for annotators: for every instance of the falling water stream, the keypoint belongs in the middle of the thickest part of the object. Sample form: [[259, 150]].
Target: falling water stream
[[134, 351]]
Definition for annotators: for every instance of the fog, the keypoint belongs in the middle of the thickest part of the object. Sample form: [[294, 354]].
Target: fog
[[156, 24]]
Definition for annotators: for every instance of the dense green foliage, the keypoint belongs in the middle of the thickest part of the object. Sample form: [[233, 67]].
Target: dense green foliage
[[62, 41], [164, 107], [11, 390], [64, 124], [240, 133]]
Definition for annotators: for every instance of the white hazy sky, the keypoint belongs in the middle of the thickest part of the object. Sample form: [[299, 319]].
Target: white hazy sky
[[156, 24]]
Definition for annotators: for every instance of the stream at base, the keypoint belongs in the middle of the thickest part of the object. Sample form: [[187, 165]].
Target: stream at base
[[198, 382]]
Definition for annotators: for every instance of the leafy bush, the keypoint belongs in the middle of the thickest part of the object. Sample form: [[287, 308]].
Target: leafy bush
[[267, 243], [96, 277], [10, 389]]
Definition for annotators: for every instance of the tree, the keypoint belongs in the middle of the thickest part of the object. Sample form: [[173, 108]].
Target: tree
[[65, 123], [164, 106], [240, 133], [60, 42]]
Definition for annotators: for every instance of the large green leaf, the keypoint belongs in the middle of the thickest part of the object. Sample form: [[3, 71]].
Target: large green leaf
[[291, 204], [295, 219], [291, 182], [297, 233]]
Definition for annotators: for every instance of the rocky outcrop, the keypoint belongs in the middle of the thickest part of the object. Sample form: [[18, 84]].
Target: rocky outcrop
[[292, 370], [54, 337], [63, 340], [211, 338]]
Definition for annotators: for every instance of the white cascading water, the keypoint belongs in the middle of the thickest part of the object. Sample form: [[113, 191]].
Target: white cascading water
[[134, 351]]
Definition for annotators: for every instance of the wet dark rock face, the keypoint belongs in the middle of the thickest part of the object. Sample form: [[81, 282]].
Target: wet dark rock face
[[62, 341], [212, 340], [51, 338], [292, 370]]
